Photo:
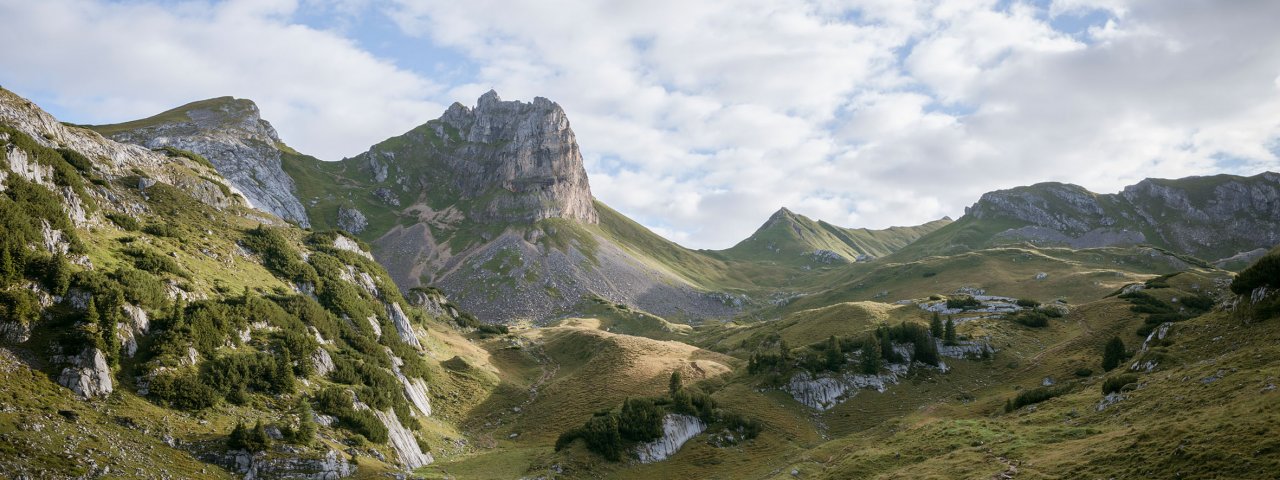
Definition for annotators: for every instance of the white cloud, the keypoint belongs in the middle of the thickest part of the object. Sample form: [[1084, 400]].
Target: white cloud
[[701, 118], [109, 62]]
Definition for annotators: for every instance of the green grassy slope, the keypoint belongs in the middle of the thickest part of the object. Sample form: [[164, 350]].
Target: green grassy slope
[[174, 115], [792, 239]]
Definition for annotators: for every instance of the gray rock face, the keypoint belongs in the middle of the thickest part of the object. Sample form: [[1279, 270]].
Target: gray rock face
[[351, 220], [1214, 217], [521, 160], [88, 376], [676, 430], [253, 466], [243, 147]]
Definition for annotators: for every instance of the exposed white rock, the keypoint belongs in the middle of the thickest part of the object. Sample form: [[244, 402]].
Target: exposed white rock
[[351, 220], [402, 324], [254, 466], [322, 362], [415, 389], [55, 241], [344, 243], [1144, 364], [14, 332], [403, 441], [964, 349], [242, 146], [373, 322], [136, 318], [676, 430], [89, 376], [828, 390]]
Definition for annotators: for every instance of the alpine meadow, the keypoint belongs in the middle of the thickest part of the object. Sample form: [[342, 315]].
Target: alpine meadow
[[779, 239]]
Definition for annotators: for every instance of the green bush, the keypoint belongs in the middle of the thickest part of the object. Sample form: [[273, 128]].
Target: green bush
[[965, 302], [746, 428], [184, 391], [1035, 395], [1027, 303], [163, 230], [124, 221], [640, 420], [149, 260], [1030, 318], [338, 402], [279, 256], [1118, 382], [1263, 273], [1113, 353], [251, 439]]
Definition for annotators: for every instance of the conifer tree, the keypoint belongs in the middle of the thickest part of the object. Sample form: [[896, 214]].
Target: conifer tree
[[834, 357], [58, 276], [306, 432], [9, 271], [935, 326], [1113, 353], [871, 355], [949, 338], [675, 384]]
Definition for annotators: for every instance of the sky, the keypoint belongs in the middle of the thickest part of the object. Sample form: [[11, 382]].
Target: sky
[[701, 118]]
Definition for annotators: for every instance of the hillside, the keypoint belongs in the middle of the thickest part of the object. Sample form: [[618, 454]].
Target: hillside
[[150, 316], [1223, 219], [791, 238]]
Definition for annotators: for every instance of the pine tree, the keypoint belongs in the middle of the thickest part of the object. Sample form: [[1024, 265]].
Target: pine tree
[[306, 432], [58, 276], [91, 330], [871, 355], [1113, 354], [835, 358], [949, 338], [935, 326], [784, 352], [886, 344], [9, 271], [258, 438], [675, 384]]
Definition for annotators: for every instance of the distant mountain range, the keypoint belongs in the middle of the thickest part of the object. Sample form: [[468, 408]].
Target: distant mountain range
[[492, 204]]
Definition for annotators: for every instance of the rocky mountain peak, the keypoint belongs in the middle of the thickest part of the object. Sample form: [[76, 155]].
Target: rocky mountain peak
[[232, 135], [1212, 217], [527, 150]]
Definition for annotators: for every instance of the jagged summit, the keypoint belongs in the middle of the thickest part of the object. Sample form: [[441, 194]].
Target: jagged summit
[[509, 161], [232, 135]]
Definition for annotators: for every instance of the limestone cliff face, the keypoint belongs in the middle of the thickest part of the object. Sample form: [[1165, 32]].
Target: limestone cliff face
[[1210, 217], [507, 161], [232, 135]]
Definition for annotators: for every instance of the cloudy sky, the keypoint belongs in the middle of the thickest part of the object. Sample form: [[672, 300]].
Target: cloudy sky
[[700, 118]]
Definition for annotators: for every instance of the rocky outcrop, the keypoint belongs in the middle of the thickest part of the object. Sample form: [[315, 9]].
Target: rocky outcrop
[[403, 441], [342, 242], [676, 430], [231, 134], [112, 159], [322, 362], [828, 390], [135, 325], [89, 376], [331, 466], [1217, 217], [526, 149], [12, 331], [415, 389], [402, 324], [351, 220]]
